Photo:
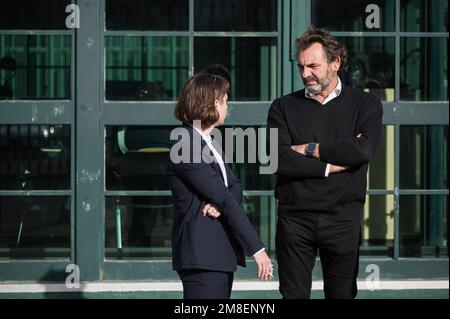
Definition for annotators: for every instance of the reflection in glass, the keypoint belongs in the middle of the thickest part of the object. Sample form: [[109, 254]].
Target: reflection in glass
[[424, 16], [423, 69], [35, 67], [381, 168], [26, 14], [34, 227], [250, 153], [137, 157], [351, 15], [424, 157], [252, 62], [261, 211], [147, 15], [235, 15], [145, 68], [378, 226], [423, 226], [371, 65], [34, 157], [138, 227]]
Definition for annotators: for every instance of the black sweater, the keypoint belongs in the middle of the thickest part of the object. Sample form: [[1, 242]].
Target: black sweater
[[301, 182]]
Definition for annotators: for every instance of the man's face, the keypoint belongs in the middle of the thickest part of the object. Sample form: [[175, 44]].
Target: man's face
[[316, 72]]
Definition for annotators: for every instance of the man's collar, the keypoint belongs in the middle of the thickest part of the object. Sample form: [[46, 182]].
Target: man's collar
[[337, 90]]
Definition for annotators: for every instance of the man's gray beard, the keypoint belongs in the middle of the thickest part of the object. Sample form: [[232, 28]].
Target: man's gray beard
[[321, 85]]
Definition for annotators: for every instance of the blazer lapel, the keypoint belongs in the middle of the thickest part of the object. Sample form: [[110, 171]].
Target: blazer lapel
[[219, 150]]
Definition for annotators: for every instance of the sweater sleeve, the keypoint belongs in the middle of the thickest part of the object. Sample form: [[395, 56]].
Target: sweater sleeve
[[290, 162], [355, 151]]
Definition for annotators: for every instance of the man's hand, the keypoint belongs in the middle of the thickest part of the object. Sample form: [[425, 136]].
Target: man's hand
[[265, 267], [337, 169], [302, 147], [211, 210]]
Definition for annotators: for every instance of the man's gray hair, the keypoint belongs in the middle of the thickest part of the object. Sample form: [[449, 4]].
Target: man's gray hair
[[332, 47]]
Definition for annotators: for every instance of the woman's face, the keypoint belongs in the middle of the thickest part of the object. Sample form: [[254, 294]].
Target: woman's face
[[222, 108]]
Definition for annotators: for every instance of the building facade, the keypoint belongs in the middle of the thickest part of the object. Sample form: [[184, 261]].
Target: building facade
[[86, 110]]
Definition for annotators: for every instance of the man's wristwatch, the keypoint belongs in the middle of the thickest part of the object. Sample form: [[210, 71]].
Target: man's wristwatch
[[310, 149]]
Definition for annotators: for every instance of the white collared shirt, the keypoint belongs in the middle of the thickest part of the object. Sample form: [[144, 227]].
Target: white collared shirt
[[219, 160], [217, 155], [334, 94]]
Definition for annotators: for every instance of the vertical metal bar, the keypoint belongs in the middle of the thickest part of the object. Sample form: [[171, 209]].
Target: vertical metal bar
[[144, 66], [280, 28], [89, 225], [397, 136], [233, 65], [73, 97], [28, 58], [118, 224], [174, 52], [101, 132], [264, 218], [273, 222], [191, 38], [397, 51], [396, 193]]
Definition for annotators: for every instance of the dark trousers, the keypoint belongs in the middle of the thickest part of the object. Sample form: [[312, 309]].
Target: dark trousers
[[300, 236], [205, 284]]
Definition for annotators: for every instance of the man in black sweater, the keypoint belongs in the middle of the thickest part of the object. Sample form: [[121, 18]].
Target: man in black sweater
[[327, 135]]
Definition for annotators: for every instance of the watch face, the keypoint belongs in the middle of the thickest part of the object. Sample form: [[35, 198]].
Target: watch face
[[310, 148]]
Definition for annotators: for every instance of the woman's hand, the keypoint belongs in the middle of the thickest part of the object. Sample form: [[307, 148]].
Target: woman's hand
[[211, 210], [265, 267]]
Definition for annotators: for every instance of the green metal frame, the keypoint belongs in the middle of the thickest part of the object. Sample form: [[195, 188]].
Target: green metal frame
[[88, 113], [43, 112], [161, 113]]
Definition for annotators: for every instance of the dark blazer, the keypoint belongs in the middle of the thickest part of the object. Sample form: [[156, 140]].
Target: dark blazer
[[200, 242]]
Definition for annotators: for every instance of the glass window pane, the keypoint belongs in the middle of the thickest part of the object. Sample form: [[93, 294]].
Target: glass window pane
[[423, 69], [371, 65], [249, 155], [26, 14], [423, 226], [378, 226], [424, 16], [236, 15], [35, 67], [261, 211], [137, 157], [141, 226], [34, 227], [34, 157], [351, 15], [138, 227], [147, 15], [381, 169], [424, 157], [146, 68], [252, 62]]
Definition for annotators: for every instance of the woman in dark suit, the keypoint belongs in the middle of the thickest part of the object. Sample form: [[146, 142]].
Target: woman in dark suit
[[211, 232]]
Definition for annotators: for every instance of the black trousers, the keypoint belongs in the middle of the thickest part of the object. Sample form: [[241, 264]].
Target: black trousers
[[300, 236], [205, 284]]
